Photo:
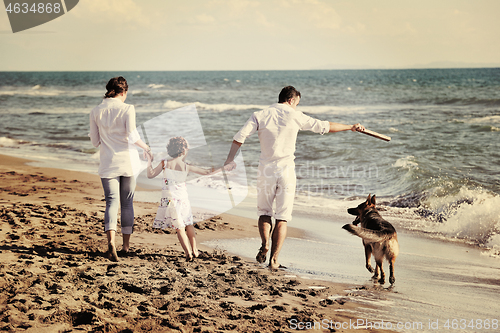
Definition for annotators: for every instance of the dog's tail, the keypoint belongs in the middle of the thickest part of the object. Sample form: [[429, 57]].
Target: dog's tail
[[371, 236]]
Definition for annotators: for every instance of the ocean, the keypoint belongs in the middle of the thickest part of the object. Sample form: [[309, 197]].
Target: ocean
[[436, 181], [439, 175]]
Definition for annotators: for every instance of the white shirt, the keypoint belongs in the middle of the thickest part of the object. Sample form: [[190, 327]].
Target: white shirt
[[277, 127], [112, 126]]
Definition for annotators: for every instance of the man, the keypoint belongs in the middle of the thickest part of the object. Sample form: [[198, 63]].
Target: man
[[277, 127]]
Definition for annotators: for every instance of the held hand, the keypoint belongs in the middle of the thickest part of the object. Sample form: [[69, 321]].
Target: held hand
[[358, 128], [230, 166], [147, 154]]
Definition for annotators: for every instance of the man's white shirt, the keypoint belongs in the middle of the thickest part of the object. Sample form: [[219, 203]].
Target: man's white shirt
[[278, 126]]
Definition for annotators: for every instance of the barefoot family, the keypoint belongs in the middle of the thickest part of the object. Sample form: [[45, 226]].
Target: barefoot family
[[112, 127]]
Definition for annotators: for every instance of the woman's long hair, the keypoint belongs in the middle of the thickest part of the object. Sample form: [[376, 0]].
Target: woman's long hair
[[116, 86]]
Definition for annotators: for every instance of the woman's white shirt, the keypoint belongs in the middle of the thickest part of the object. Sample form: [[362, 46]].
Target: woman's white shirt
[[113, 128]]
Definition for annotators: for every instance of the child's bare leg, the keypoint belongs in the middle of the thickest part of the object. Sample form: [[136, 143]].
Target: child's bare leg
[[191, 234], [183, 239]]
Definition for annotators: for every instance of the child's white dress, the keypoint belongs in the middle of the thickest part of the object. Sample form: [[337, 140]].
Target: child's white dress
[[174, 210]]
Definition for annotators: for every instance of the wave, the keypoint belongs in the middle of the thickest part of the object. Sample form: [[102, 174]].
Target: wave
[[479, 120], [224, 107], [20, 112], [50, 92], [407, 162], [470, 101], [8, 142], [156, 86], [470, 215], [36, 93], [451, 207], [454, 101]]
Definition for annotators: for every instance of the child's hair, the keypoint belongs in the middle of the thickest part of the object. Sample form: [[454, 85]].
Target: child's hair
[[177, 146]]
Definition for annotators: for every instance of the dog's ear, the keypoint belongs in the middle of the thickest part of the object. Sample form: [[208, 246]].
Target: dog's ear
[[373, 200], [368, 200]]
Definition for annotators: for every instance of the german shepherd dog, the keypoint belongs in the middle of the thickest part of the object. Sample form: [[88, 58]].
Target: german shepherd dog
[[379, 237]]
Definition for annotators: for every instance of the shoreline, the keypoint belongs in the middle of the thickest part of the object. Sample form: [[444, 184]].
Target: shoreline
[[54, 275]]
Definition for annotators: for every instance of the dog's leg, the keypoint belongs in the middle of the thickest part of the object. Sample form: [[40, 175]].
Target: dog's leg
[[368, 255], [382, 274], [375, 275], [392, 279]]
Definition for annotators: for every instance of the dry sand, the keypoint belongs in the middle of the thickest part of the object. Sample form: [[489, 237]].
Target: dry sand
[[54, 276]]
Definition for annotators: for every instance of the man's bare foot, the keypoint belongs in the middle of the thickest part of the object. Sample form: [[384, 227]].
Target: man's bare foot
[[261, 256], [112, 255], [275, 267]]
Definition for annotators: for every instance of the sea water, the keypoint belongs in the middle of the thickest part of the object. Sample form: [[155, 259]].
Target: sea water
[[438, 175], [437, 181], [438, 282]]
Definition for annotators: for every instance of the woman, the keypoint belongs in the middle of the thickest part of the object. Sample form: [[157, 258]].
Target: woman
[[112, 127]]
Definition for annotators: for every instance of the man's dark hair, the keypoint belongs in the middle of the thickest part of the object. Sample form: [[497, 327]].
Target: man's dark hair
[[288, 93]]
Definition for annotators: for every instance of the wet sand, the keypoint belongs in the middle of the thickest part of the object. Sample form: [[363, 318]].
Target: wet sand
[[55, 277], [440, 285]]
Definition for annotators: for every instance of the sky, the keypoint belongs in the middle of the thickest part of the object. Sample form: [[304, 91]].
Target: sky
[[156, 35]]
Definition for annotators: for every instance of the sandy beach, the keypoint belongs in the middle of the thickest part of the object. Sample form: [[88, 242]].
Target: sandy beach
[[54, 276]]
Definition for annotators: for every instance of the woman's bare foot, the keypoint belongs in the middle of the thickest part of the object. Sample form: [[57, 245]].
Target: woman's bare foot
[[112, 255], [196, 254], [126, 243], [189, 258], [123, 253]]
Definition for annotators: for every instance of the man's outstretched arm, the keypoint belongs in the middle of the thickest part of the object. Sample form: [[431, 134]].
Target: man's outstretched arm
[[336, 127]]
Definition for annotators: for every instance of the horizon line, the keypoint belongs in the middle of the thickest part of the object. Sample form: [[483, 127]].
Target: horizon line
[[261, 70]]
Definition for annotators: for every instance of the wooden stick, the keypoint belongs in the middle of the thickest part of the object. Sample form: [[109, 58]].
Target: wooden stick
[[377, 135]]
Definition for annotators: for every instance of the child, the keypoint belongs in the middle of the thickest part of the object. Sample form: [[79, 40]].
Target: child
[[175, 210]]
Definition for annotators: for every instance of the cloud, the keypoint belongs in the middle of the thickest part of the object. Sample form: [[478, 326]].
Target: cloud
[[321, 14], [304, 14], [254, 34], [126, 12], [4, 21], [275, 16], [205, 19]]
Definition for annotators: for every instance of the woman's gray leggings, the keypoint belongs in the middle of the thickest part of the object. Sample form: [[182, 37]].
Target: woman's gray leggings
[[119, 191]]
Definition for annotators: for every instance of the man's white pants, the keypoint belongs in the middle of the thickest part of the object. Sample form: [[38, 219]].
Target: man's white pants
[[276, 185]]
